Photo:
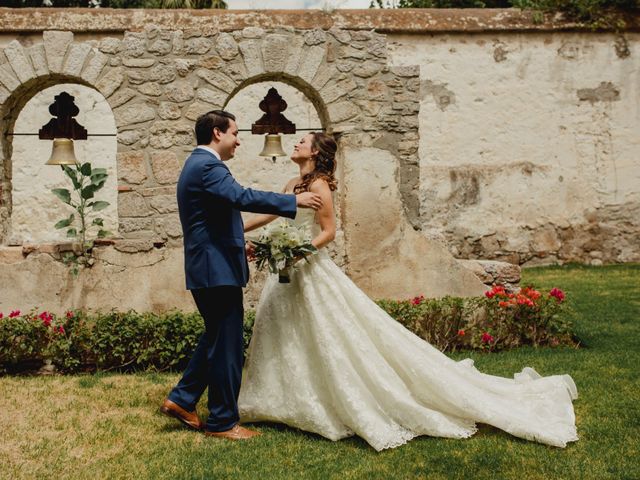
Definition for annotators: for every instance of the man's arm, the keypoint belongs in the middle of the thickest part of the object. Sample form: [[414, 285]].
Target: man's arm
[[220, 184]]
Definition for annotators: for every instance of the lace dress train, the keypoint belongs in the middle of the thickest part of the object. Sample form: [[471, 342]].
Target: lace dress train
[[326, 359]]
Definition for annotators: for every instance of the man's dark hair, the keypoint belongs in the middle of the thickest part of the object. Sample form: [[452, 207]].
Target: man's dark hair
[[210, 120]]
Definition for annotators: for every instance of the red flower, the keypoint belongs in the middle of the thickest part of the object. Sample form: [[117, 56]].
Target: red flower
[[495, 290], [461, 333], [503, 304], [558, 294], [61, 329], [46, 318], [417, 300], [1, 315], [486, 338], [70, 314], [14, 313]]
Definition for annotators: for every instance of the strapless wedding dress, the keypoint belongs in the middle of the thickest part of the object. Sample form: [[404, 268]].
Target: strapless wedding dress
[[326, 359]]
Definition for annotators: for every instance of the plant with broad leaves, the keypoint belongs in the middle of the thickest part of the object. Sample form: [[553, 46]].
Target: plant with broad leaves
[[86, 181]]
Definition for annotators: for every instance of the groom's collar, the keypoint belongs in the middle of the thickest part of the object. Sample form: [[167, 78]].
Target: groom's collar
[[210, 150]]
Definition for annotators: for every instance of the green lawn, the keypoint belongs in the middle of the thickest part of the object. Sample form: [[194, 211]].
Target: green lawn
[[107, 426]]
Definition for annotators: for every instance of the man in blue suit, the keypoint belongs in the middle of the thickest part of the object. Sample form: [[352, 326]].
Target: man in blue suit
[[210, 202]]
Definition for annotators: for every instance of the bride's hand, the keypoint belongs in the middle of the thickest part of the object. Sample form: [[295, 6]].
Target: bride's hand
[[250, 251]]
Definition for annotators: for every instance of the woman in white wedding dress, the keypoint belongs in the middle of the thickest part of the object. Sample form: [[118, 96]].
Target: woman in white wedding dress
[[326, 359]]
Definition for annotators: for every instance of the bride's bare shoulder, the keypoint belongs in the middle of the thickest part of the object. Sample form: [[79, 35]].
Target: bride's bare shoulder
[[288, 188], [319, 185]]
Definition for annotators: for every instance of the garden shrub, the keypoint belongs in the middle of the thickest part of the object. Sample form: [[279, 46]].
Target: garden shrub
[[129, 341]]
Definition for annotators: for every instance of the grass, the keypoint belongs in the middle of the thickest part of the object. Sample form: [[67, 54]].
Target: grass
[[107, 425]]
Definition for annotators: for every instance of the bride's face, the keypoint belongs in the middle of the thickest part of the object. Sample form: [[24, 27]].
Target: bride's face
[[302, 151]]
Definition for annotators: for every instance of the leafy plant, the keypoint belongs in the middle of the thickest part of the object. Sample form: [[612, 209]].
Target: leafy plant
[[86, 181]]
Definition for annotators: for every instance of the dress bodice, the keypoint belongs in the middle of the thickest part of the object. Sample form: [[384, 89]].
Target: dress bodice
[[307, 216]]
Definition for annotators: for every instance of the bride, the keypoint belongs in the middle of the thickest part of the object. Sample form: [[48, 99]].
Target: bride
[[326, 359]]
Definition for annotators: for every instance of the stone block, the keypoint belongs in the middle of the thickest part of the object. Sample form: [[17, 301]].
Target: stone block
[[131, 167], [139, 62], [160, 47], [226, 46], [165, 166], [133, 44], [110, 82], [310, 62], [94, 66], [341, 111], [315, 37], [121, 97], [19, 60], [151, 89], [133, 113], [179, 91], [132, 204], [164, 203], [55, 46], [252, 55], [38, 59], [253, 32], [275, 52], [213, 97], [218, 80], [163, 73], [169, 111], [197, 46], [109, 45], [8, 77], [295, 55], [77, 55]]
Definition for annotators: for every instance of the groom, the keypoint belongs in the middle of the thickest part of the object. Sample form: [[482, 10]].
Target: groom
[[210, 202]]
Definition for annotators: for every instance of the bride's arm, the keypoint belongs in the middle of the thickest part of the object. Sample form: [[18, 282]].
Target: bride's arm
[[325, 214], [257, 221]]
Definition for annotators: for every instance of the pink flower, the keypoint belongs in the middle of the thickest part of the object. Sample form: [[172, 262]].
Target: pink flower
[[46, 318], [417, 300], [14, 313], [461, 333], [69, 314], [486, 338], [558, 294]]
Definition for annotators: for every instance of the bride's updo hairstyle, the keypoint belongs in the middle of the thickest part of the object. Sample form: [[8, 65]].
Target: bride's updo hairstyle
[[325, 159]]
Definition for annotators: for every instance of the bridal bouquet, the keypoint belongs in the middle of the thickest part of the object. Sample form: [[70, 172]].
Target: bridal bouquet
[[281, 245]]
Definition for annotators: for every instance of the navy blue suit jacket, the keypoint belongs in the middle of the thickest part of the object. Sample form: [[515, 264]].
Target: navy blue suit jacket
[[210, 202]]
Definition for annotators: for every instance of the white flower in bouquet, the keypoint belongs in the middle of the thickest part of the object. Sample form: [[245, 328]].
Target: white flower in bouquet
[[280, 245]]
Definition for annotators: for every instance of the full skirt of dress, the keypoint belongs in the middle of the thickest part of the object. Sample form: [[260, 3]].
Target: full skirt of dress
[[326, 359]]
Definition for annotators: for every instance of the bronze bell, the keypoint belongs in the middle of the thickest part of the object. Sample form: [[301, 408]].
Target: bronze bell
[[272, 147], [62, 152]]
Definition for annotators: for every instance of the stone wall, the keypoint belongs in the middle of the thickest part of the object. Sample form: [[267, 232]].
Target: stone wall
[[510, 139], [157, 81]]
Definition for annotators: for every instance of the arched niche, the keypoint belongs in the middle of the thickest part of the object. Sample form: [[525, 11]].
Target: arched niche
[[34, 209]]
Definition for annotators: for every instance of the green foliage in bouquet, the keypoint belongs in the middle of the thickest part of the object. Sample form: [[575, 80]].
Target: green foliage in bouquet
[[282, 244], [86, 181]]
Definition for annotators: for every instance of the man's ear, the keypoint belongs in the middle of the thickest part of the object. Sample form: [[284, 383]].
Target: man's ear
[[216, 133]]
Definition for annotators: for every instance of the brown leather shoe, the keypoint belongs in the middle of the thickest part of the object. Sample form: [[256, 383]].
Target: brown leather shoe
[[190, 419], [235, 433]]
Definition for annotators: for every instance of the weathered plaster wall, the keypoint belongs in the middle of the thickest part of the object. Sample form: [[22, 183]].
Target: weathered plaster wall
[[529, 144]]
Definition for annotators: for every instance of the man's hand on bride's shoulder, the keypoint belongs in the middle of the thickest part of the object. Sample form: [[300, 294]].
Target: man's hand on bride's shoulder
[[309, 200]]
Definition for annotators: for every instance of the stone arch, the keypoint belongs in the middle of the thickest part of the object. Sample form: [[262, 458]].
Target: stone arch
[[29, 70]]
